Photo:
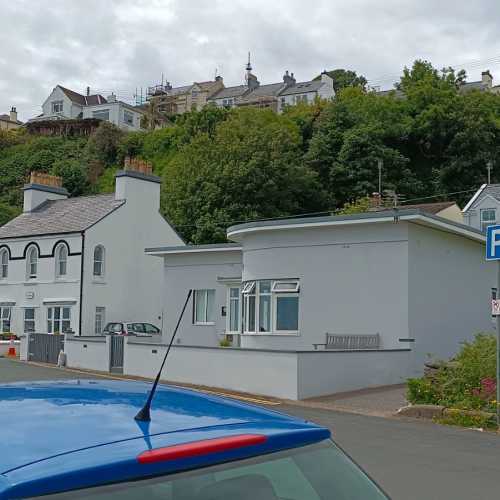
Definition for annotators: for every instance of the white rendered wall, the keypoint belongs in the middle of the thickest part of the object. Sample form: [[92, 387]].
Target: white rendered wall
[[87, 353], [24, 292], [257, 372], [132, 286]]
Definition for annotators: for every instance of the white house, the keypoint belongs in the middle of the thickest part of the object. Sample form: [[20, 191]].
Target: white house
[[483, 209], [285, 284], [66, 104], [72, 264], [307, 92]]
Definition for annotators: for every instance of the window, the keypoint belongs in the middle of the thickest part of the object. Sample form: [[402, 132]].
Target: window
[[61, 261], [271, 306], [32, 263], [4, 264], [29, 320], [234, 309], [99, 261], [151, 329], [100, 315], [5, 313], [57, 106], [204, 301], [59, 319], [102, 114], [488, 218], [312, 472], [128, 117]]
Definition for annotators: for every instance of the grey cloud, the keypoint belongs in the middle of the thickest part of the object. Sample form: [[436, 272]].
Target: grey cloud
[[123, 44]]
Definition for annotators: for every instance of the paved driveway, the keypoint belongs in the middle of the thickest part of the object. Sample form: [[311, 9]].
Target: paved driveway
[[412, 460]]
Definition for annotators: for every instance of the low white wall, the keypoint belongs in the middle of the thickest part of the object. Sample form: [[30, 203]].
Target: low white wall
[[5, 344], [270, 373], [88, 353], [328, 372]]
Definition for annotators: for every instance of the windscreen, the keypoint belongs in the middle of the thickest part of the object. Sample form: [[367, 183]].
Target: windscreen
[[316, 472]]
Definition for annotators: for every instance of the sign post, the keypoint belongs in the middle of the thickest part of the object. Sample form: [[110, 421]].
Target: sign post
[[493, 253]]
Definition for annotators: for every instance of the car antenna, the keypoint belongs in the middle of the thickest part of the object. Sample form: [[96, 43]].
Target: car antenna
[[144, 413]]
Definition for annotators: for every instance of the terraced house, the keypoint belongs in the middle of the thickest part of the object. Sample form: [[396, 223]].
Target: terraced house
[[72, 264]]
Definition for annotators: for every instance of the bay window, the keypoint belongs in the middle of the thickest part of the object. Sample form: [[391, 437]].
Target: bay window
[[203, 309], [271, 305], [58, 319]]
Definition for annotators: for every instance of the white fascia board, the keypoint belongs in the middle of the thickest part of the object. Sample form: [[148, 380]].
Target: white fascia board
[[417, 218], [474, 198], [160, 253]]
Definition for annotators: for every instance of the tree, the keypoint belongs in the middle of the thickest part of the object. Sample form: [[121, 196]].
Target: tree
[[103, 143], [249, 169], [343, 78], [73, 174]]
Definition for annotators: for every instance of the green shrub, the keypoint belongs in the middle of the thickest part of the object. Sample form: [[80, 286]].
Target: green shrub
[[467, 382], [463, 419], [421, 391]]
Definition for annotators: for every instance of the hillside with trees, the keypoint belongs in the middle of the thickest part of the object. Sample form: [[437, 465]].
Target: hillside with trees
[[220, 167]]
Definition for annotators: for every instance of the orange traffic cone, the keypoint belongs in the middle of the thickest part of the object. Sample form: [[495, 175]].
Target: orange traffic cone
[[12, 348]]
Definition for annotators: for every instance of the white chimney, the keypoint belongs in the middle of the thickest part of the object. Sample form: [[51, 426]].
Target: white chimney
[[487, 79], [13, 114], [41, 188], [137, 185]]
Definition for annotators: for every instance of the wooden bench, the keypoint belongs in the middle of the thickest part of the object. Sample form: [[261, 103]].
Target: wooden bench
[[350, 342]]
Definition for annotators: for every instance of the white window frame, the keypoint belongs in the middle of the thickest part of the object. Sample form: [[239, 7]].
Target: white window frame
[[207, 320], [252, 289], [30, 320], [4, 264], [57, 107], [99, 113], [230, 300], [127, 112], [30, 262], [52, 321], [100, 319], [61, 259], [489, 222], [102, 262], [5, 316]]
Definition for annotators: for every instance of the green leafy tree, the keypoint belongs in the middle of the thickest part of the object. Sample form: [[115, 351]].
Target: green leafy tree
[[73, 174], [343, 78], [103, 143], [249, 169]]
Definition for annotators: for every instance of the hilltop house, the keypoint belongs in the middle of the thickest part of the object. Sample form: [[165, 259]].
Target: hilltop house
[[275, 96], [71, 264], [66, 104], [10, 121]]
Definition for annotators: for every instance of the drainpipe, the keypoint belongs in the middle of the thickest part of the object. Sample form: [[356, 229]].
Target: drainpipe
[[82, 260]]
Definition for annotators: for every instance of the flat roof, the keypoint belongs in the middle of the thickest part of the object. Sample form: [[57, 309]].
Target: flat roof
[[183, 249], [410, 215]]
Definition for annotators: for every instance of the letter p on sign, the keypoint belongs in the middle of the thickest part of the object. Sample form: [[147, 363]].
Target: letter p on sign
[[493, 243]]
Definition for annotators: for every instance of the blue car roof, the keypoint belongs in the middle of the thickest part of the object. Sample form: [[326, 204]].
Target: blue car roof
[[65, 435]]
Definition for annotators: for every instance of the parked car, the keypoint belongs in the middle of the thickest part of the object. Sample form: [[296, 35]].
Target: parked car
[[138, 329], [78, 439]]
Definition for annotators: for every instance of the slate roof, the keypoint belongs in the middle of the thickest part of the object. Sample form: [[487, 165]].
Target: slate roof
[[272, 90], [303, 87], [6, 118], [61, 216], [430, 208], [230, 92], [83, 100], [468, 86]]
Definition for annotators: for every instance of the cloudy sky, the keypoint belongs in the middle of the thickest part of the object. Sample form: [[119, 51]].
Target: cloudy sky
[[121, 45]]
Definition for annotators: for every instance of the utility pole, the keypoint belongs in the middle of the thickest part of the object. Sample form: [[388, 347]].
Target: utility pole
[[489, 167], [380, 164]]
